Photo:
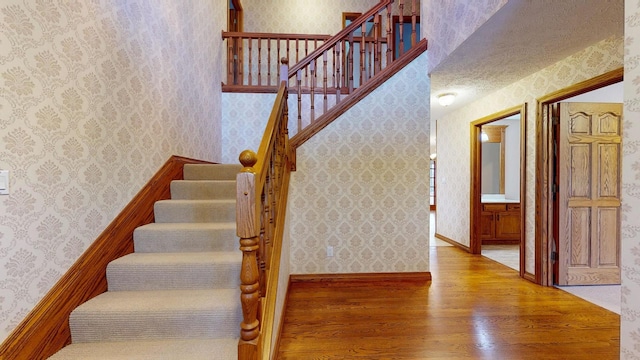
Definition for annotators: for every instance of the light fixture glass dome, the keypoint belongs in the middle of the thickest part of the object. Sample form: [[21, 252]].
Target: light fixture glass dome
[[446, 99]]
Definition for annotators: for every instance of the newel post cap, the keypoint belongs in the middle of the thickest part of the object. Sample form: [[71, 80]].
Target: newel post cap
[[248, 158]]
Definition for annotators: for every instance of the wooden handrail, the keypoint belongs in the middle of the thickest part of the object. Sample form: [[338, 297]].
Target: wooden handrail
[[351, 60], [280, 36], [355, 25], [260, 208]]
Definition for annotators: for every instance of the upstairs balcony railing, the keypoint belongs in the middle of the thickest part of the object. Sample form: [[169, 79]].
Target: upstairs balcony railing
[[325, 71]]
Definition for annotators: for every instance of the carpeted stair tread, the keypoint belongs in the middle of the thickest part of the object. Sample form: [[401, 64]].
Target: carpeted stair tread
[[214, 349], [175, 271], [186, 237], [194, 211], [166, 314], [211, 171], [203, 189]]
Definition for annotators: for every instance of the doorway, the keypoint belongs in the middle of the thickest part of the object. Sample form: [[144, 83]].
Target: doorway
[[497, 186], [547, 210]]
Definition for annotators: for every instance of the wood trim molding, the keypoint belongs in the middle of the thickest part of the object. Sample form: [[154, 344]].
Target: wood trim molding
[[475, 243], [453, 242], [363, 277], [544, 205], [357, 95], [45, 330]]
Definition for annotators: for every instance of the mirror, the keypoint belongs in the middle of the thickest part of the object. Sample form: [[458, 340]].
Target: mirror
[[500, 167]]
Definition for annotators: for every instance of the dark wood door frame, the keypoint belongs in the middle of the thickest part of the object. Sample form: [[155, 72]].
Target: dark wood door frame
[[545, 214], [475, 243]]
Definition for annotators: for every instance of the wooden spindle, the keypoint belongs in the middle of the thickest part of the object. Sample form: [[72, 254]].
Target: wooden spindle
[[389, 36], [259, 62], [284, 71], [247, 231], [312, 67], [299, 81], [250, 59], [338, 47], [231, 61], [376, 44], [306, 69], [278, 51], [297, 51], [262, 243], [362, 54], [324, 79], [401, 28], [350, 63], [414, 18], [269, 61]]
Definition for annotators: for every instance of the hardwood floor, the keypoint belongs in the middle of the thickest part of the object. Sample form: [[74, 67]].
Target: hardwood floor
[[473, 308]]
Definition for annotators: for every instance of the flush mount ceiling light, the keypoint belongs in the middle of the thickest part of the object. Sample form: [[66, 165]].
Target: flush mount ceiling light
[[446, 99], [484, 137]]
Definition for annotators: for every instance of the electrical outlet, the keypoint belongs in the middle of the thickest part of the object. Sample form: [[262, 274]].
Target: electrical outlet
[[329, 251]]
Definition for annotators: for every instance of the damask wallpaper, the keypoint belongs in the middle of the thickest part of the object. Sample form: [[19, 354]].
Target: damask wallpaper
[[453, 153], [94, 97], [361, 184], [630, 306], [448, 23]]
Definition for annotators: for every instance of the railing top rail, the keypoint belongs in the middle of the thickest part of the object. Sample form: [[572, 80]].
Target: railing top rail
[[339, 36], [267, 138], [274, 36]]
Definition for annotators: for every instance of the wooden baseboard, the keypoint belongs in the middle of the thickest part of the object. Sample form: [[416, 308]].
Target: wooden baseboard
[[453, 242], [501, 242], [363, 277], [45, 330]]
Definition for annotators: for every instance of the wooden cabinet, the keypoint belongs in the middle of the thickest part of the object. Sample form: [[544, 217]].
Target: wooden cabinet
[[500, 223]]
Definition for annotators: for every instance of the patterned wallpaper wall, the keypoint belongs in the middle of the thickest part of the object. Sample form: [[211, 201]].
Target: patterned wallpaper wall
[[304, 16], [448, 23], [94, 97], [453, 136], [630, 306], [361, 184]]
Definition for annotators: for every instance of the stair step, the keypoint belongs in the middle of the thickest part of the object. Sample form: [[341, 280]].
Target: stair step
[[218, 349], [194, 211], [211, 171], [203, 189], [154, 315], [180, 237], [175, 271]]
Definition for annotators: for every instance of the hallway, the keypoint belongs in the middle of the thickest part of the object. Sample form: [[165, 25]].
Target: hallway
[[473, 309]]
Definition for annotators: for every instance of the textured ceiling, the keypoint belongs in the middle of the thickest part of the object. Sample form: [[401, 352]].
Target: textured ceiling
[[523, 37]]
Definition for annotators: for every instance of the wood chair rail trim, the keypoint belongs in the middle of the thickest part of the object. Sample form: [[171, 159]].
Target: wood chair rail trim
[[45, 330]]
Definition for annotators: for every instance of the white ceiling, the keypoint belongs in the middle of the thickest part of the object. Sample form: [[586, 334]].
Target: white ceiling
[[523, 37]]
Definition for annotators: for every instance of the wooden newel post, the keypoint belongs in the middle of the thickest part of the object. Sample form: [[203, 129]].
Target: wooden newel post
[[284, 70], [248, 231]]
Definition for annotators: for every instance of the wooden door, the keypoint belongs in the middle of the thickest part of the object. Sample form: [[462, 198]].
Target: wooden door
[[589, 194], [508, 225]]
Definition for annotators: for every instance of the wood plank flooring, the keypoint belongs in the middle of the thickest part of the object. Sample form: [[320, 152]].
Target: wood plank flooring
[[474, 308]]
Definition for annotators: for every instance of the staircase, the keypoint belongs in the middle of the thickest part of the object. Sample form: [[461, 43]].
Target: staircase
[[176, 296]]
